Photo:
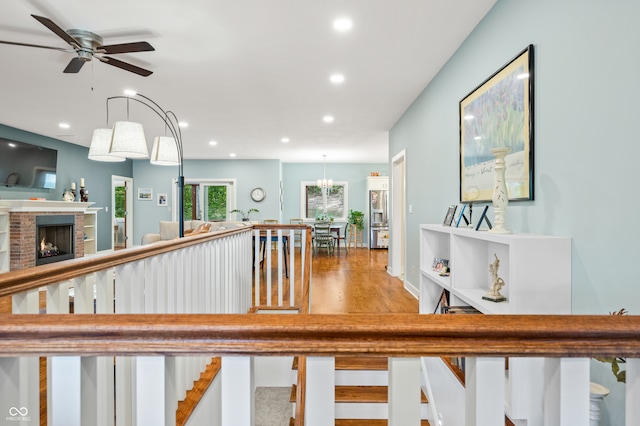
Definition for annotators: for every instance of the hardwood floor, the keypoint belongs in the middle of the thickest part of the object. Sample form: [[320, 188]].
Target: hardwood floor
[[357, 282]]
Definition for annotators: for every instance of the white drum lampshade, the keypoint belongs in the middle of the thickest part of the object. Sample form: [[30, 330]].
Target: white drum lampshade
[[100, 143], [128, 140], [165, 152]]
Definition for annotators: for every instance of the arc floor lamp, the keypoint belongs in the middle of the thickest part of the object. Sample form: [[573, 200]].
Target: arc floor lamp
[[126, 140]]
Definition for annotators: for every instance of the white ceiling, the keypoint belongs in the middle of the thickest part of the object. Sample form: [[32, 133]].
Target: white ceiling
[[245, 73]]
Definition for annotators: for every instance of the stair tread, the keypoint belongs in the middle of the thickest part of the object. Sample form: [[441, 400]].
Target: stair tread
[[358, 394], [369, 422], [372, 363]]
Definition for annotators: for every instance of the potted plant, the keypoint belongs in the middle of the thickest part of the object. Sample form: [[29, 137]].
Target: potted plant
[[245, 216], [356, 218]]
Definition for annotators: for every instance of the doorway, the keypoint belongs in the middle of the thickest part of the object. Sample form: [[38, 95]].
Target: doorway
[[122, 208], [398, 218], [206, 199]]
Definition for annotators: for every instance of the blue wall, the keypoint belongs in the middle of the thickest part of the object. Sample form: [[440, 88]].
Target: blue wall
[[586, 110], [73, 164]]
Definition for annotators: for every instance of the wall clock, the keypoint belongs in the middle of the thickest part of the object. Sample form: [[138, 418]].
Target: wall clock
[[258, 194]]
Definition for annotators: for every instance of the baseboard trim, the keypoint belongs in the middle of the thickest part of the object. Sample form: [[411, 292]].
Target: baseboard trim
[[412, 289]]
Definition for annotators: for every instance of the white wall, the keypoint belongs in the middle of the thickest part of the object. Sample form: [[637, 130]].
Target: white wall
[[586, 109]]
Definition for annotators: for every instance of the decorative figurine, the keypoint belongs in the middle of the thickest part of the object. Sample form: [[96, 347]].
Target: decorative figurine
[[68, 196], [497, 283]]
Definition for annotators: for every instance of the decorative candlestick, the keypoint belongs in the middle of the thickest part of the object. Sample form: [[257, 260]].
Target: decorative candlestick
[[500, 197], [84, 193], [73, 190]]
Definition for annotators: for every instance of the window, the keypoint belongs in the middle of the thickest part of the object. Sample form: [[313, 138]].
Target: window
[[312, 199], [207, 199]]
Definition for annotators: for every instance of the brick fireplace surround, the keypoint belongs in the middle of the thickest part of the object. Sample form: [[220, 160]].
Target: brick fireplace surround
[[22, 228]]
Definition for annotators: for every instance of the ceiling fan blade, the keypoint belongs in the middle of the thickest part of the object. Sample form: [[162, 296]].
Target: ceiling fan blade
[[15, 43], [140, 46], [57, 30], [126, 66], [74, 66]]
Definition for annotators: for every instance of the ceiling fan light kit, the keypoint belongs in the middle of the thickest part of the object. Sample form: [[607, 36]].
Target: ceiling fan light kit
[[87, 45]]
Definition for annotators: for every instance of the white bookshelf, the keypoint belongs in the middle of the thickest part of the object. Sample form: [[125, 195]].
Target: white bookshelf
[[535, 268], [537, 273], [90, 231], [4, 240]]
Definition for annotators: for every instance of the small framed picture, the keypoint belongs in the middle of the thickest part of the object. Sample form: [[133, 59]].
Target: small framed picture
[[440, 265], [162, 200], [483, 218], [145, 194], [451, 212]]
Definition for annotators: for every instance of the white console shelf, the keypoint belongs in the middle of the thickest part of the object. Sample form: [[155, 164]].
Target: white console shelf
[[537, 273], [535, 268]]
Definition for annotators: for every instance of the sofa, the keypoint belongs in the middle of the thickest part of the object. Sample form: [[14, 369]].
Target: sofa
[[170, 230]]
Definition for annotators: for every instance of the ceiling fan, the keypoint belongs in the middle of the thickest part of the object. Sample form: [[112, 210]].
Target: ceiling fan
[[87, 46]]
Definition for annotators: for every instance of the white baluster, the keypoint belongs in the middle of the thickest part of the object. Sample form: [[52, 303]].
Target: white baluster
[[566, 399], [633, 392], [404, 391], [238, 401], [320, 392], [63, 372], [20, 376], [484, 391]]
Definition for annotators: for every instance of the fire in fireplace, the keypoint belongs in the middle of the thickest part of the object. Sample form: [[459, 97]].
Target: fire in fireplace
[[54, 238]]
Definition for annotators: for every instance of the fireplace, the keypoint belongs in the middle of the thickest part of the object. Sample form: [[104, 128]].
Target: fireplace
[[55, 237]]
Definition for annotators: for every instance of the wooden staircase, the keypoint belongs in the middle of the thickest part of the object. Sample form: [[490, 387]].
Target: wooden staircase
[[361, 391]]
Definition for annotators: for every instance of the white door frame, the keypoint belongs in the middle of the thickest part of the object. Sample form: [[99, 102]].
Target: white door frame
[[117, 181], [398, 215]]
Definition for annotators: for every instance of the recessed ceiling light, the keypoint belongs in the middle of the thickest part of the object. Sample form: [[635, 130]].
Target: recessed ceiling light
[[337, 78], [64, 125], [327, 119], [285, 140], [183, 124], [130, 92], [342, 24], [213, 143], [233, 154]]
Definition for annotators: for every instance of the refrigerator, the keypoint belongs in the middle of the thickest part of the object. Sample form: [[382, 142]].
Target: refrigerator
[[379, 219]]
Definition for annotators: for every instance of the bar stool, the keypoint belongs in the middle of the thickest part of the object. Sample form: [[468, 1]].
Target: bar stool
[[355, 235]]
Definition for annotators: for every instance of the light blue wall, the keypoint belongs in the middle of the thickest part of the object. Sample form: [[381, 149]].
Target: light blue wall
[[249, 174], [587, 56], [73, 164]]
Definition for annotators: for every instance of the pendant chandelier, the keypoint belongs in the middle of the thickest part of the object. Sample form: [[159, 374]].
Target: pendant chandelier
[[325, 183]]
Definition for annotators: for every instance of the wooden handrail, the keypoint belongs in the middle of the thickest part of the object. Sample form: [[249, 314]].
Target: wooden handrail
[[321, 335], [39, 276]]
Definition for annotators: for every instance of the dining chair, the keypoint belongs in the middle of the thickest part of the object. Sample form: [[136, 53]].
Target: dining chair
[[323, 237]]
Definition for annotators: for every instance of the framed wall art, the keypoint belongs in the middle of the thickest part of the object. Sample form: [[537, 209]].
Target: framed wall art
[[162, 200], [145, 194], [497, 114]]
